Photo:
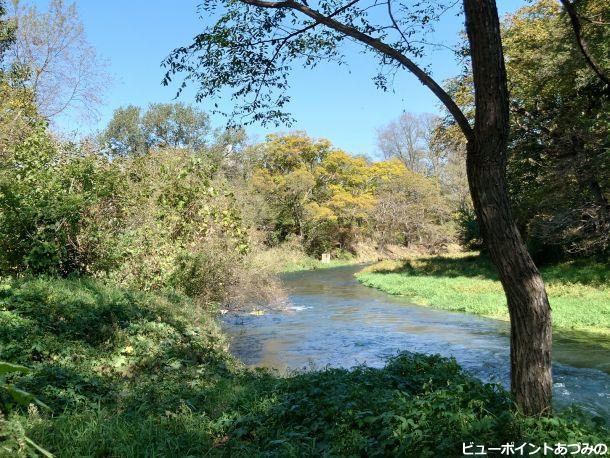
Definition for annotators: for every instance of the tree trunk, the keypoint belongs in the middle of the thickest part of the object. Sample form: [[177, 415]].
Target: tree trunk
[[530, 314]]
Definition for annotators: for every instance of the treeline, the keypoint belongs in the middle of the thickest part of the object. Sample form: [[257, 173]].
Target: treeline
[[159, 199], [150, 204]]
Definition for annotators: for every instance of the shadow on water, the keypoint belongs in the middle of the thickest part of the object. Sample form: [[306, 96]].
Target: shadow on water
[[333, 320]]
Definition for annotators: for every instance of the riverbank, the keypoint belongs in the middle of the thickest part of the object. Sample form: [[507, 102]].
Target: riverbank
[[579, 292], [132, 374], [289, 258]]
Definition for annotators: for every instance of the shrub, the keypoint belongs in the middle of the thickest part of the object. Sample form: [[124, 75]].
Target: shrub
[[58, 209], [468, 228]]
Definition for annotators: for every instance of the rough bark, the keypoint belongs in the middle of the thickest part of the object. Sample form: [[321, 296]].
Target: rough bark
[[530, 314]]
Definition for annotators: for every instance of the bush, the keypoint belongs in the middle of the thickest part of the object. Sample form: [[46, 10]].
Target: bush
[[58, 209], [152, 222], [468, 228]]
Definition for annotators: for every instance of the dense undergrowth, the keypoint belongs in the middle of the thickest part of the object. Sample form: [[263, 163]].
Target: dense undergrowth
[[139, 374], [468, 283]]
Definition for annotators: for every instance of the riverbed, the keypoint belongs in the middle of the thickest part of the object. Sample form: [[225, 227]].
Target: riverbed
[[332, 320]]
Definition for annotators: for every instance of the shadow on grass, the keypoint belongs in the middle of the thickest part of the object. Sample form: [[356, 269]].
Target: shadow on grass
[[594, 345], [583, 271], [474, 265]]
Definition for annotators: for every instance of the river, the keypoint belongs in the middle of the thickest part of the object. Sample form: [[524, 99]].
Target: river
[[332, 320]]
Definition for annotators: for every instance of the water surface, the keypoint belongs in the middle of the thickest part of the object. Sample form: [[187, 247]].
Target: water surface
[[332, 320]]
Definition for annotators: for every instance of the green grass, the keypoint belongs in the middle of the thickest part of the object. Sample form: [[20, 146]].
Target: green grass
[[579, 292], [314, 264], [289, 258], [133, 374]]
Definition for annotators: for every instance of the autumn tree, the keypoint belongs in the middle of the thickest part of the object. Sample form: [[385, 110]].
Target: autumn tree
[[285, 174], [345, 198], [330, 200], [64, 72], [251, 48]]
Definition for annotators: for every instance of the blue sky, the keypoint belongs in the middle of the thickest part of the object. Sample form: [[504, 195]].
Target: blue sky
[[338, 103]]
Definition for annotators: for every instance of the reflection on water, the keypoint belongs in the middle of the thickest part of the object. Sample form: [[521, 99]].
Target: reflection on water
[[333, 320]]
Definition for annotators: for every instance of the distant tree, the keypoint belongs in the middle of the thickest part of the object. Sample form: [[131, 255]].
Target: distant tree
[[420, 142], [436, 156], [175, 125], [447, 153], [124, 135], [411, 210], [65, 73], [229, 149], [162, 125], [404, 138], [285, 174], [251, 48]]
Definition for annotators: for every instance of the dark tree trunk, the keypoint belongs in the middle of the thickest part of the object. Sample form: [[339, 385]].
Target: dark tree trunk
[[530, 314]]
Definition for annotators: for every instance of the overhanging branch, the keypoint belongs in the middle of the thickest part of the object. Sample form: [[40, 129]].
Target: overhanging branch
[[381, 47]]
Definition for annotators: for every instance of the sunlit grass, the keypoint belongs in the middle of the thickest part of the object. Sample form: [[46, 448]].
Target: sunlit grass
[[579, 292]]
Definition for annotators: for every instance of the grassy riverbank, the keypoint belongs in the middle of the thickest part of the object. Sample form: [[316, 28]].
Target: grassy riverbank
[[132, 374], [579, 292], [289, 258]]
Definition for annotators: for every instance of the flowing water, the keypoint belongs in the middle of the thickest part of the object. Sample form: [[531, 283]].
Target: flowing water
[[332, 320]]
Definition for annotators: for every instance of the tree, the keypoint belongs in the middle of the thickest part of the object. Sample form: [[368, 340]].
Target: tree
[[175, 125], [410, 210], [592, 62], [18, 113], [251, 48], [285, 174], [163, 125], [412, 139], [404, 139], [65, 71], [558, 157], [123, 135], [425, 144], [448, 154], [7, 33], [558, 175]]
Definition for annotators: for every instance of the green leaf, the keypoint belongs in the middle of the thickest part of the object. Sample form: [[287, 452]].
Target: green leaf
[[23, 397], [38, 448], [7, 368]]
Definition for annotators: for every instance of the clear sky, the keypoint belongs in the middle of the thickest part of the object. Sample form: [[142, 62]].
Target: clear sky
[[338, 103]]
